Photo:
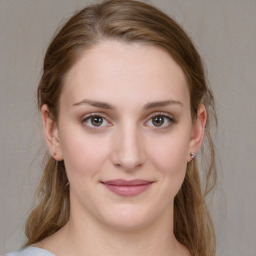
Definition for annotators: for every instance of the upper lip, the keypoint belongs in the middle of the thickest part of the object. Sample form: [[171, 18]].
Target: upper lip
[[121, 182]]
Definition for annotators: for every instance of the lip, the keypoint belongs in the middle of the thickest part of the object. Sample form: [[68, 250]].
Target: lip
[[127, 187]]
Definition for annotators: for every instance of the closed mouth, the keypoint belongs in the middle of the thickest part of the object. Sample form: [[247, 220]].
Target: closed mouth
[[121, 182], [127, 188]]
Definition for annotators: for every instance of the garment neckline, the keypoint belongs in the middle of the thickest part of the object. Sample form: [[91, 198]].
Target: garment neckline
[[39, 249]]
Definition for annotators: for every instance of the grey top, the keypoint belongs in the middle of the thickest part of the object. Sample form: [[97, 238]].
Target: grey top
[[30, 251]]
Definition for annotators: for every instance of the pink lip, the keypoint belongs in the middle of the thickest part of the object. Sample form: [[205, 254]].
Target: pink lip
[[127, 187]]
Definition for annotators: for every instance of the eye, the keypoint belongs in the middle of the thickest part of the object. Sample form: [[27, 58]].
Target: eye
[[160, 121], [95, 121]]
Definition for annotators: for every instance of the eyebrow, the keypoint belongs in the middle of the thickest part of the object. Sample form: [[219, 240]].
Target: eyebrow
[[94, 103], [161, 104], [147, 106]]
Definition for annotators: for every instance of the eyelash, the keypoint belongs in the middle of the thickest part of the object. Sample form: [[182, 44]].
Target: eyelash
[[170, 118], [89, 118]]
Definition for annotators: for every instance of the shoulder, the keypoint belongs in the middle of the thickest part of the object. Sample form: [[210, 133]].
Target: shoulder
[[30, 251]]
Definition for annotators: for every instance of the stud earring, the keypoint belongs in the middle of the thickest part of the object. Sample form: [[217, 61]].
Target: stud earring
[[192, 155]]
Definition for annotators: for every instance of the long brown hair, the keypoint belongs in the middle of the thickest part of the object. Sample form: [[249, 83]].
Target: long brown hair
[[128, 21]]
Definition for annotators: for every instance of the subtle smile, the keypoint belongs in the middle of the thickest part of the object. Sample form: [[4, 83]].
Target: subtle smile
[[127, 187]]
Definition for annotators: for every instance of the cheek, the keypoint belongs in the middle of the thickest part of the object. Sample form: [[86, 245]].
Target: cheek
[[170, 151], [83, 155], [169, 157]]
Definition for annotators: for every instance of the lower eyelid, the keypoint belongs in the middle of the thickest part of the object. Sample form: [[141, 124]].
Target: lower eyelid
[[88, 117], [170, 121]]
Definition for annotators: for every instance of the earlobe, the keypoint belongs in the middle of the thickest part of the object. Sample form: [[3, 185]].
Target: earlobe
[[197, 132], [51, 133]]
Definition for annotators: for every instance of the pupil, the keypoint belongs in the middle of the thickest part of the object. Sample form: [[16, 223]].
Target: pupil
[[97, 121], [158, 120]]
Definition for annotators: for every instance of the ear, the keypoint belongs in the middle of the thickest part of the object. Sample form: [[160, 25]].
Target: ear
[[51, 133], [197, 132]]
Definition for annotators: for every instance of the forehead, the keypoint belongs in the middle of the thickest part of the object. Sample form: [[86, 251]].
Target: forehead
[[125, 72]]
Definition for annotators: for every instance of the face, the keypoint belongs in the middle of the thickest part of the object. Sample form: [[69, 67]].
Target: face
[[124, 116]]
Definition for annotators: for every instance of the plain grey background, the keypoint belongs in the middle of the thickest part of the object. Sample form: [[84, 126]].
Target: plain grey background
[[224, 31]]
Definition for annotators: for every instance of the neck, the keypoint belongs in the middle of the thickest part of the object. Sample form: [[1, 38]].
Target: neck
[[94, 238]]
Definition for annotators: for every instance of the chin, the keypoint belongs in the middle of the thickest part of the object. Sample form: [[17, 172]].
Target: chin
[[128, 218], [128, 225]]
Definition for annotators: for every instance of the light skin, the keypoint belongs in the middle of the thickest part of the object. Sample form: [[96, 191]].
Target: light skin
[[124, 114]]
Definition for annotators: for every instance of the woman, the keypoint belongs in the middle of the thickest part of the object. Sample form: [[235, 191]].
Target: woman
[[125, 110]]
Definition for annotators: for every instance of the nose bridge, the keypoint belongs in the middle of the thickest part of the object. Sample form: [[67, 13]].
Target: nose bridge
[[129, 153]]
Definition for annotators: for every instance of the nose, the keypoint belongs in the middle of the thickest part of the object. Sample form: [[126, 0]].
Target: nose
[[128, 152]]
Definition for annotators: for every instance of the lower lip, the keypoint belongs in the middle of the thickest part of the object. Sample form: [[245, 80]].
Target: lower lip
[[128, 190]]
